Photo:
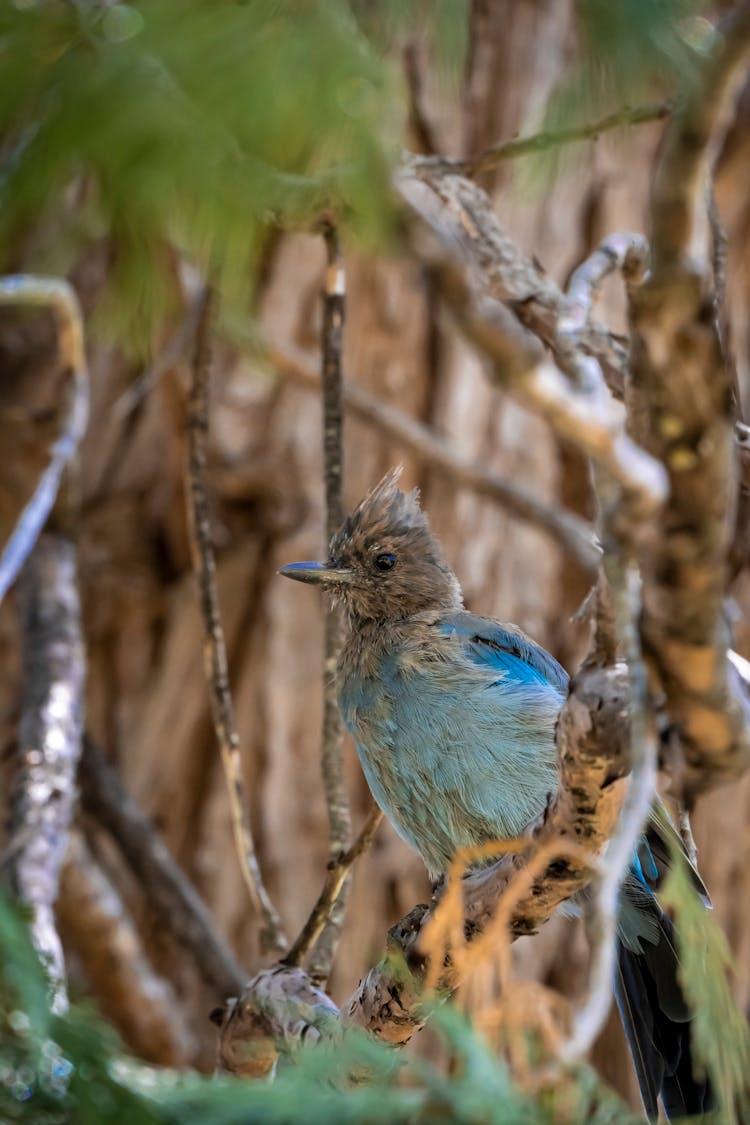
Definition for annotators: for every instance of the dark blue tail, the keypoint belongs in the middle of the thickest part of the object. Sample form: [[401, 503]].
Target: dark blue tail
[[657, 1023]]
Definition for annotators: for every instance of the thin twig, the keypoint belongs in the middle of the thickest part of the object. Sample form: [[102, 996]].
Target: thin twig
[[331, 735], [58, 295], [570, 531], [214, 649], [337, 872], [547, 139], [177, 906]]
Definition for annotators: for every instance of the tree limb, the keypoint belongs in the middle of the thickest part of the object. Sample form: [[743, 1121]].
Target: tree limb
[[680, 406], [50, 733]]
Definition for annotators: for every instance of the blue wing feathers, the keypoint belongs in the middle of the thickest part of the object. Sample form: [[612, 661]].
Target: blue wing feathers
[[506, 648]]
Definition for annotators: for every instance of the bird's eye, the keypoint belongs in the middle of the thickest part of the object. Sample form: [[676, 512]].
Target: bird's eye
[[385, 562]]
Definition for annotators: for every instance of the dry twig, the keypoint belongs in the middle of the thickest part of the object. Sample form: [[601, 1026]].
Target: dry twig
[[215, 655], [338, 870]]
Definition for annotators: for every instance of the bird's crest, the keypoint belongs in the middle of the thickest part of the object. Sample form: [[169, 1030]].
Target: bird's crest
[[385, 511]]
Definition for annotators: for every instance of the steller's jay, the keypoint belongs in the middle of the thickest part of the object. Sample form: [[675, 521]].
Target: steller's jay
[[453, 717]]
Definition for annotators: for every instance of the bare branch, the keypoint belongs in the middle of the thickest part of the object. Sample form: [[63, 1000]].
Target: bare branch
[[96, 923], [461, 215], [585, 416], [49, 742], [61, 298], [546, 140], [178, 907], [338, 870], [623, 252], [331, 737], [215, 655], [571, 532]]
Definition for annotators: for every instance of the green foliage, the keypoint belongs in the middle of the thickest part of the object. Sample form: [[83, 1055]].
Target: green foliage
[[628, 53], [721, 1036], [70, 1070], [198, 124]]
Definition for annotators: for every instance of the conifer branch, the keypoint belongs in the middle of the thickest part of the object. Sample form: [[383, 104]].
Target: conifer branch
[[545, 140], [214, 647]]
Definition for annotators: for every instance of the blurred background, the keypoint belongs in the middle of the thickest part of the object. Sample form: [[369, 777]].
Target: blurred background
[[90, 193]]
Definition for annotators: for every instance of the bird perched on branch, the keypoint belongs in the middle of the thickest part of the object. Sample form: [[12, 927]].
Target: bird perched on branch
[[453, 717]]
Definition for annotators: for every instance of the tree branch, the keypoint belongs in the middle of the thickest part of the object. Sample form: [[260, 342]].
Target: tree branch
[[61, 298], [215, 656], [680, 405], [331, 735], [49, 742], [545, 140], [338, 870], [178, 907], [461, 215]]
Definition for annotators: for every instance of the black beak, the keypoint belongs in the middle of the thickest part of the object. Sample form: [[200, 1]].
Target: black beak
[[316, 573]]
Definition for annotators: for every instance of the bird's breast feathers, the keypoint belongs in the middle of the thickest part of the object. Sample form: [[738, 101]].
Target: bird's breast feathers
[[455, 732]]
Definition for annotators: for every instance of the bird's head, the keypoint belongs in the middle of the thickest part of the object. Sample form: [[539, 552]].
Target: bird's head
[[384, 563]]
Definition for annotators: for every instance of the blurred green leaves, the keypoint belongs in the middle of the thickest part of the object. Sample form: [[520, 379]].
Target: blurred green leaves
[[190, 123], [70, 1070], [721, 1036]]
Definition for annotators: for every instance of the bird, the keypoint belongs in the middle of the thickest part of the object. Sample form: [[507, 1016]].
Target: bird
[[453, 718]]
